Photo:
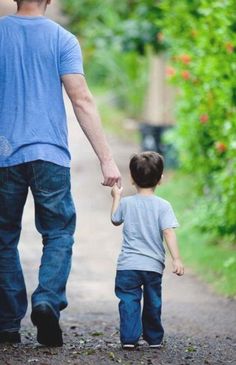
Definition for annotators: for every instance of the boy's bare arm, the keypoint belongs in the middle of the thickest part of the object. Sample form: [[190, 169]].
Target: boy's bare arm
[[171, 241], [116, 195]]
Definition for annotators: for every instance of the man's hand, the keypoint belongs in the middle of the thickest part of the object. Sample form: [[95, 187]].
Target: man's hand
[[110, 173], [178, 267]]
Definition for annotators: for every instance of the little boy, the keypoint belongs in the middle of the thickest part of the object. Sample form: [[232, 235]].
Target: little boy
[[147, 220]]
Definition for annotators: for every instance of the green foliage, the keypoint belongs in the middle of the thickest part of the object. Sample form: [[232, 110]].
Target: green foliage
[[125, 25], [212, 258], [202, 38], [115, 37]]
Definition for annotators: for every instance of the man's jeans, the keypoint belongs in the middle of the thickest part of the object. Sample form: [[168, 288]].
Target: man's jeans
[[128, 288], [54, 219]]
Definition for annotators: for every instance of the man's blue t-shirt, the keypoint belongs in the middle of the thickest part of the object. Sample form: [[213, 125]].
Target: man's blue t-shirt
[[34, 53]]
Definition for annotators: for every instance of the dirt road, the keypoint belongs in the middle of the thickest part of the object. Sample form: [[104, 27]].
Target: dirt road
[[200, 326]]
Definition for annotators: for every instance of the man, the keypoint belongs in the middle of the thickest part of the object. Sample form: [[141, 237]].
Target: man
[[37, 57]]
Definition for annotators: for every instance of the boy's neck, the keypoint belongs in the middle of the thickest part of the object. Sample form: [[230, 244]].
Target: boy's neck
[[31, 9], [145, 191]]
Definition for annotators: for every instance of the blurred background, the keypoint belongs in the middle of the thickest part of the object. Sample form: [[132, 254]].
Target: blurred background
[[163, 73]]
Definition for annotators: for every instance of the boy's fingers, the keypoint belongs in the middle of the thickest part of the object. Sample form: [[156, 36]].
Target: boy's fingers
[[178, 270], [118, 182]]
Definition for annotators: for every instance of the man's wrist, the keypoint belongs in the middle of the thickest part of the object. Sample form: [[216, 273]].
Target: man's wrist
[[106, 159]]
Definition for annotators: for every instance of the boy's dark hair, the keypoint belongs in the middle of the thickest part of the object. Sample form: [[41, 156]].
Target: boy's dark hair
[[28, 1], [146, 169]]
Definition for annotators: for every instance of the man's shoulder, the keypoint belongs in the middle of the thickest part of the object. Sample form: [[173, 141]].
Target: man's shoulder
[[4, 19], [64, 35], [63, 32]]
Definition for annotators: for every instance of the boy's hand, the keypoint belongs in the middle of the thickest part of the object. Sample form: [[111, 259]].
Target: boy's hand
[[116, 191], [178, 267]]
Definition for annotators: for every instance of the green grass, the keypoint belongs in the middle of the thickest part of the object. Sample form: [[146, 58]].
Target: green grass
[[113, 118], [213, 259]]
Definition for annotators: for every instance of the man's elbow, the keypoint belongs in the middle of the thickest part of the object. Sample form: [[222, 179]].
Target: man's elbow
[[81, 101]]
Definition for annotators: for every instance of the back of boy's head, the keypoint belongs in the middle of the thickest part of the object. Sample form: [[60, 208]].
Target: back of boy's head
[[146, 169]]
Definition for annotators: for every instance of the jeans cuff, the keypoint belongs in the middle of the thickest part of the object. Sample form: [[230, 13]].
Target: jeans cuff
[[35, 304], [13, 326]]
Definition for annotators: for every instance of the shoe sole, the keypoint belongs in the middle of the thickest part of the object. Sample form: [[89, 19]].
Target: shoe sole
[[156, 346], [49, 331], [128, 347]]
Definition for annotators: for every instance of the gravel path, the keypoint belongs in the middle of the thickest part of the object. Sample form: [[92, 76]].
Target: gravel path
[[200, 326]]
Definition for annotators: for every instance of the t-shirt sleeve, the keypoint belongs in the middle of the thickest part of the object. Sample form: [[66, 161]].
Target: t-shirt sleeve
[[118, 216], [167, 218], [71, 59]]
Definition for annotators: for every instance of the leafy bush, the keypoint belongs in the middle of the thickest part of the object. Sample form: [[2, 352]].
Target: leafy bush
[[115, 36], [202, 38]]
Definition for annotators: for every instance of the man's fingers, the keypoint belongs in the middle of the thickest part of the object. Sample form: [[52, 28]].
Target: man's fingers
[[111, 181]]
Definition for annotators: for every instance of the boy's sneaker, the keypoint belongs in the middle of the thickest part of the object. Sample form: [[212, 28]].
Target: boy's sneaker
[[157, 346], [10, 337], [128, 346]]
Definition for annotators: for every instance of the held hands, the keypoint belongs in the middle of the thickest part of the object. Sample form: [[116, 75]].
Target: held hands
[[116, 191], [110, 173], [178, 267]]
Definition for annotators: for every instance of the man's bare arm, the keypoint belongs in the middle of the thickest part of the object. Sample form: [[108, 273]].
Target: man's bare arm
[[88, 117]]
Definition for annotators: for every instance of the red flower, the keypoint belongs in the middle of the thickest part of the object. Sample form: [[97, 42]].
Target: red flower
[[170, 71], [185, 58], [220, 146], [229, 47], [185, 75], [204, 118]]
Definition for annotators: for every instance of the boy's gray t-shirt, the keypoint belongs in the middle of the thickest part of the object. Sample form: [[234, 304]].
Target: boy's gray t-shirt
[[144, 218]]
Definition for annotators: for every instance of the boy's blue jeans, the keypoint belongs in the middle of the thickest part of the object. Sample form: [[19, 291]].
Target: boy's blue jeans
[[130, 287], [55, 220]]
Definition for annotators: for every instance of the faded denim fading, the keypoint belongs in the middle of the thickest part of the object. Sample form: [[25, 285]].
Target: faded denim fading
[[130, 287], [55, 220]]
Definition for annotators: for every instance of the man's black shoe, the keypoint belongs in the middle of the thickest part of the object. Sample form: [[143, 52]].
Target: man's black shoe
[[10, 337], [49, 331]]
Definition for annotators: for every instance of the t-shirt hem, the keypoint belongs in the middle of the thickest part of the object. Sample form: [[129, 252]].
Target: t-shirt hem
[[35, 158], [160, 270], [72, 72], [170, 226]]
